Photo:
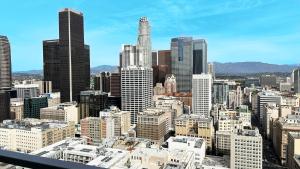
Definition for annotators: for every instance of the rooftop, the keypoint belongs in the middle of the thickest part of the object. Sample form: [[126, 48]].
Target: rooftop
[[216, 161]]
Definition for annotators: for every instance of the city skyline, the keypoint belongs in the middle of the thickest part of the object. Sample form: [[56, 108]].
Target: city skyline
[[241, 25]]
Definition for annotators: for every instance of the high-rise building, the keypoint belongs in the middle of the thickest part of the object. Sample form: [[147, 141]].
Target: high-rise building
[[161, 64], [5, 64], [220, 92], [182, 62], [115, 84], [136, 91], [202, 94], [297, 80], [246, 149], [4, 105], [199, 56], [91, 102], [102, 82], [264, 98], [66, 60], [33, 105], [144, 43], [27, 90]]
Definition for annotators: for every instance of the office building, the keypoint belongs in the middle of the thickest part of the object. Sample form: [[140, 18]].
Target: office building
[[91, 102], [27, 90], [182, 62], [4, 105], [293, 150], [62, 112], [16, 108], [114, 122], [115, 84], [297, 80], [220, 92], [102, 82], [161, 65], [195, 126], [202, 94], [53, 98], [199, 56], [246, 149], [264, 98], [281, 128], [33, 105], [5, 64], [152, 124], [91, 128], [32, 134], [69, 70], [44, 86], [136, 91]]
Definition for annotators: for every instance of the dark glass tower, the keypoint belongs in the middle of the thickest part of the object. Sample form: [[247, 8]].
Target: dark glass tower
[[199, 56], [182, 62], [67, 63], [5, 64]]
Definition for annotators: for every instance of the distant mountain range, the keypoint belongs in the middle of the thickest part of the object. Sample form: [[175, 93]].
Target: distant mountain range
[[222, 68], [251, 67]]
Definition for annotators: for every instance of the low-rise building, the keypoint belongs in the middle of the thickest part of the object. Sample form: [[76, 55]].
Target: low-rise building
[[195, 126], [281, 128], [31, 134], [16, 108], [293, 150], [62, 112]]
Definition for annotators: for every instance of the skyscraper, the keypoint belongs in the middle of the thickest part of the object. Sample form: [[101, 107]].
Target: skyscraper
[[202, 94], [144, 43], [182, 62], [136, 90], [199, 56], [5, 64], [137, 73], [297, 80], [66, 60], [5, 78]]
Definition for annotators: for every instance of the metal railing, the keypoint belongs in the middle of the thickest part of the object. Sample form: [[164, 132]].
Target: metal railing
[[37, 162]]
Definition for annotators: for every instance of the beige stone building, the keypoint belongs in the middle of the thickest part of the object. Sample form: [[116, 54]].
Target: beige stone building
[[195, 126], [281, 128], [153, 123], [293, 150], [62, 112], [16, 108], [32, 134]]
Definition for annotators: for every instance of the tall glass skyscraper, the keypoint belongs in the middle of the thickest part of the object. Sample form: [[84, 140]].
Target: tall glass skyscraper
[[67, 60], [182, 62], [199, 56], [5, 64]]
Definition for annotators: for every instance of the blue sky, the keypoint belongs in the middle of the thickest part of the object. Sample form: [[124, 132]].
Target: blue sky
[[236, 30]]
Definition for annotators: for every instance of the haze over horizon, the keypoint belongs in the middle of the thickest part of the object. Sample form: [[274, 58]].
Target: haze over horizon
[[236, 31]]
